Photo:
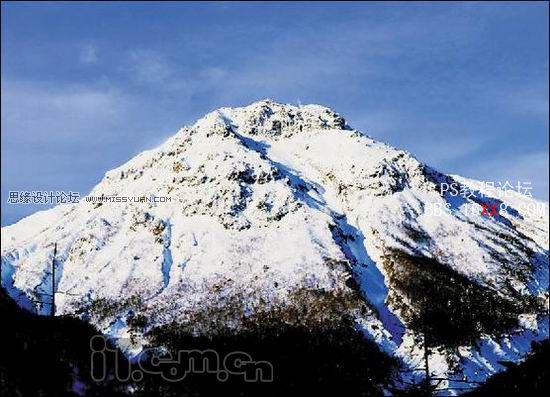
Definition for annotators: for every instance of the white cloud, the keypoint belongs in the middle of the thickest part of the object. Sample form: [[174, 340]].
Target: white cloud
[[148, 67], [88, 54], [213, 73], [59, 112], [529, 101]]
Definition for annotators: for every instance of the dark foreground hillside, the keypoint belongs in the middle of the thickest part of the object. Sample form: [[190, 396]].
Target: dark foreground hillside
[[45, 356]]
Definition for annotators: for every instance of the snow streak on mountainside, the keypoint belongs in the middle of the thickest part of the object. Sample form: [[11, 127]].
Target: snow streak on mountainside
[[273, 205]]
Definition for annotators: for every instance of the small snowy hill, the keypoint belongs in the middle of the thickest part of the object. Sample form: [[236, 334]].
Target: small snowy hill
[[273, 206]]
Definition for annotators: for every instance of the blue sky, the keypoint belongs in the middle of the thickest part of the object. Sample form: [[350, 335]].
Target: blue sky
[[463, 86]]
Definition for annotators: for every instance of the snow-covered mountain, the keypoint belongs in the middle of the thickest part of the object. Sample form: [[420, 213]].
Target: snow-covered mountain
[[277, 206]]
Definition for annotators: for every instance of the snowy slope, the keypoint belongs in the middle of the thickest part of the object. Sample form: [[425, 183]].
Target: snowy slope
[[271, 200]]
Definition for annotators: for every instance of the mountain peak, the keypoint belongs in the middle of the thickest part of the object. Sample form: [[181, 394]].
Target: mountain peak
[[273, 120]]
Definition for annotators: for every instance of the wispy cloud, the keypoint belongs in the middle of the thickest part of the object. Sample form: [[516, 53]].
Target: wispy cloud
[[59, 112], [528, 100], [87, 54], [148, 67]]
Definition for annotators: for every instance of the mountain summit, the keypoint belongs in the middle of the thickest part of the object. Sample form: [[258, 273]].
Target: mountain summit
[[274, 208]]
